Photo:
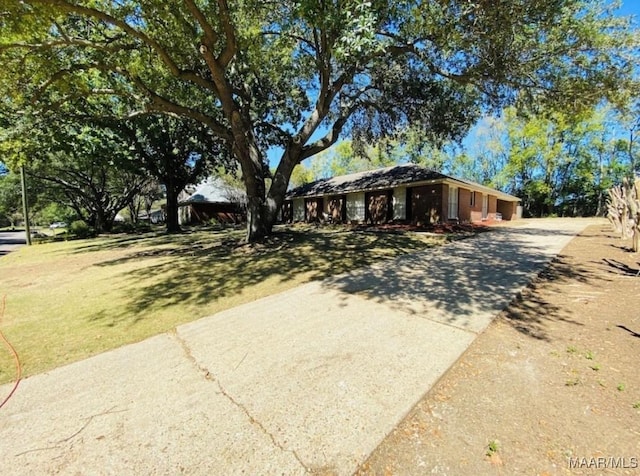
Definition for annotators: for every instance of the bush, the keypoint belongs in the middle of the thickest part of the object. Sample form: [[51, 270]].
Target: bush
[[123, 227], [80, 229], [143, 227], [130, 228]]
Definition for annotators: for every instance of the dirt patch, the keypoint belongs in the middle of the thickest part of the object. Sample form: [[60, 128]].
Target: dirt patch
[[551, 387]]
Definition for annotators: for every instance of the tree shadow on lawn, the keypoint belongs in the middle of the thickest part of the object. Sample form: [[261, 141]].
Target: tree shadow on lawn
[[198, 273], [155, 238], [465, 283]]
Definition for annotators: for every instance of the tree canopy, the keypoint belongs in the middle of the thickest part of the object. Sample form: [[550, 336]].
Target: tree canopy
[[297, 75], [87, 167], [558, 163]]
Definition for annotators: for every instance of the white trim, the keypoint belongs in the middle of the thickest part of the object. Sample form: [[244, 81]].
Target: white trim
[[453, 203], [485, 206]]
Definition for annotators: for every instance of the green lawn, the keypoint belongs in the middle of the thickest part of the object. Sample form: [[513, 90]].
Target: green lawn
[[68, 300]]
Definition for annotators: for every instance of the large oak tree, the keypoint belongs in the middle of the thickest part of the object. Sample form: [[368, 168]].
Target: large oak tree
[[294, 76]]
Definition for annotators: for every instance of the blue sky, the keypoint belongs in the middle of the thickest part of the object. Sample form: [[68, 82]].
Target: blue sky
[[630, 7]]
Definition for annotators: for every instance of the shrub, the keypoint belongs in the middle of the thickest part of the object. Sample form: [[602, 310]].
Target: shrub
[[123, 227], [80, 229]]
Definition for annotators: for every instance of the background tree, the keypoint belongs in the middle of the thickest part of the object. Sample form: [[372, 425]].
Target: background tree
[[348, 158], [46, 212], [149, 193], [629, 116], [86, 167], [10, 201], [177, 152], [558, 163], [298, 75], [42, 209]]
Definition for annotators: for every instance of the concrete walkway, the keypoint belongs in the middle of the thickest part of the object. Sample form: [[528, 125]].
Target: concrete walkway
[[311, 379]]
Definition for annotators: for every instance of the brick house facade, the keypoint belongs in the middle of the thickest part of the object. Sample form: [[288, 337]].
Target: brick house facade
[[404, 193]]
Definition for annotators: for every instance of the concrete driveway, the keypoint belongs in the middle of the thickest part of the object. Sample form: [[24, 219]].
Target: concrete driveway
[[309, 380], [10, 241]]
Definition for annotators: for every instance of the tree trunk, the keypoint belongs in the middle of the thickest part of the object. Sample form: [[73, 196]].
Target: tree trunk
[[258, 226], [262, 208], [173, 225], [134, 209], [103, 223], [599, 208]]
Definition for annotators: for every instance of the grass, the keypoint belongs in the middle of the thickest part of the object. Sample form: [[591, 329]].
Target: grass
[[69, 300], [492, 448]]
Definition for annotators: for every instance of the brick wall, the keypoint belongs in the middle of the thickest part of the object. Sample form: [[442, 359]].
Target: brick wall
[[508, 209]]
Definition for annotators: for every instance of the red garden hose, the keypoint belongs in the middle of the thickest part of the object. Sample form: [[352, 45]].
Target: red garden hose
[[15, 356]]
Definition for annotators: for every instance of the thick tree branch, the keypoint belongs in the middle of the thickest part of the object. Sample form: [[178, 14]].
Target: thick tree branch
[[161, 104], [323, 105], [330, 138], [231, 46], [208, 30]]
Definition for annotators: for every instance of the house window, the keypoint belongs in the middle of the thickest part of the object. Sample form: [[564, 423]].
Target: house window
[[473, 199], [453, 202]]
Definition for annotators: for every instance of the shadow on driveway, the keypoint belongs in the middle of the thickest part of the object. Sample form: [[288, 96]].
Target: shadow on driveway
[[465, 284]]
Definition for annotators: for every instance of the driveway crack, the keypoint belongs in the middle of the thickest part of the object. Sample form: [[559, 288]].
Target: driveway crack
[[211, 378]]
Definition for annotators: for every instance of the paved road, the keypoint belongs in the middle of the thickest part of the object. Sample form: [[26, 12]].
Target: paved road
[[10, 241], [311, 379]]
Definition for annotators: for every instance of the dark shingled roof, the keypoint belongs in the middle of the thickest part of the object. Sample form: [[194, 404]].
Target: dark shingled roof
[[369, 180], [388, 177]]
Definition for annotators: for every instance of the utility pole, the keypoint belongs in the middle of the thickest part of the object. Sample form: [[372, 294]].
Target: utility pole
[[25, 205]]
